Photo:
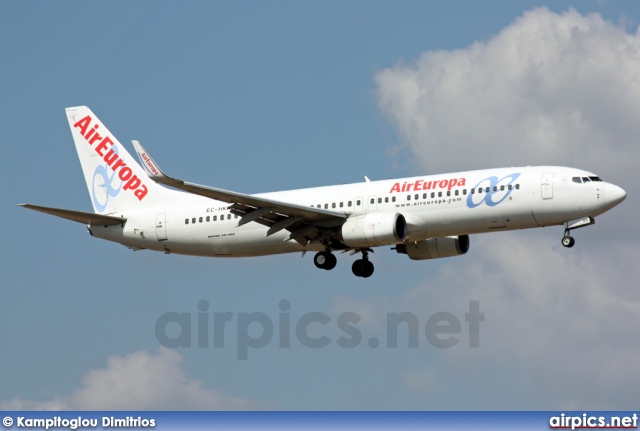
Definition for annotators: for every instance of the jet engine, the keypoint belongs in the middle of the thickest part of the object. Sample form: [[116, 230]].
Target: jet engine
[[435, 248], [373, 229]]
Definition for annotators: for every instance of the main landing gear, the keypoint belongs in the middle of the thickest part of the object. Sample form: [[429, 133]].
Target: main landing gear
[[325, 260], [362, 267]]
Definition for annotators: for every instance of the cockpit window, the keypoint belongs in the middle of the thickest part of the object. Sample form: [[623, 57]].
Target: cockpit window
[[585, 179]]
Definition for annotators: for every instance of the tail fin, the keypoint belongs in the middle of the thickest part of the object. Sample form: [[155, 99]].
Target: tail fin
[[114, 179]]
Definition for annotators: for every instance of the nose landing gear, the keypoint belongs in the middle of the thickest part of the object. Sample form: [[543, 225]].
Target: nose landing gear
[[567, 240]]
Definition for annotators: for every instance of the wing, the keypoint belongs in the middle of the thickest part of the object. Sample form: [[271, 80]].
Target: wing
[[303, 223], [78, 216]]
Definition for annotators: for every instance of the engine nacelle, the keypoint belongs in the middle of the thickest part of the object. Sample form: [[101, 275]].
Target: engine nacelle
[[435, 248], [373, 229]]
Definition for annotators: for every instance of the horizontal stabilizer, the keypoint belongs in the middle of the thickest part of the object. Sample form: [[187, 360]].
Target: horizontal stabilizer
[[78, 216]]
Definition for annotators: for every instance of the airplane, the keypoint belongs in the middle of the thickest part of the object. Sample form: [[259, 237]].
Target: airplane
[[424, 217]]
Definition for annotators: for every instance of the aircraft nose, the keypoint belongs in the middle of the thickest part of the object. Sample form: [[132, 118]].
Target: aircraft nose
[[613, 195]]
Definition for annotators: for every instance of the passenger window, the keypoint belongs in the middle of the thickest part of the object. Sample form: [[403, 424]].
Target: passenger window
[[457, 192], [408, 197], [517, 186], [349, 204], [439, 194], [341, 204], [228, 216], [326, 206], [208, 219], [358, 202], [200, 219], [510, 187], [417, 196], [393, 199], [373, 201], [479, 190], [235, 216], [386, 200], [186, 221], [333, 205], [464, 191], [433, 195], [495, 188], [379, 200], [487, 189], [193, 220], [215, 218]]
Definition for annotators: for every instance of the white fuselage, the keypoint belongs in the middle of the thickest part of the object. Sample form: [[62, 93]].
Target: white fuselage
[[433, 206]]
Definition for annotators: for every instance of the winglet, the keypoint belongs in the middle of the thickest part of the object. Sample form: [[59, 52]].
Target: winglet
[[151, 168]]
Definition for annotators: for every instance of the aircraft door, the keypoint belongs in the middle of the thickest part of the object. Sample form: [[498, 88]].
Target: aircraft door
[[371, 203], [161, 226], [358, 203], [547, 185], [218, 245], [493, 219]]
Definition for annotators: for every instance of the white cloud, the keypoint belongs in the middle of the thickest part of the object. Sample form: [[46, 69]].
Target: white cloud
[[559, 327], [548, 89], [420, 381], [566, 317], [139, 381]]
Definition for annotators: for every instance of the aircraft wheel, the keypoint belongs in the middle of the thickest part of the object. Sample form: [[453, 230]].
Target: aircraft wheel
[[362, 268], [330, 262], [568, 241], [320, 259], [358, 267], [368, 269], [325, 260]]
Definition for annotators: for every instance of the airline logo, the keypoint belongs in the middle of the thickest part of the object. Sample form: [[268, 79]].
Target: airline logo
[[428, 185], [105, 148], [148, 164], [107, 185], [492, 191]]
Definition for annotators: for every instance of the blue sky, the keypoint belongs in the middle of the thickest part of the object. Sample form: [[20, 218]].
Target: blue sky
[[265, 96]]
